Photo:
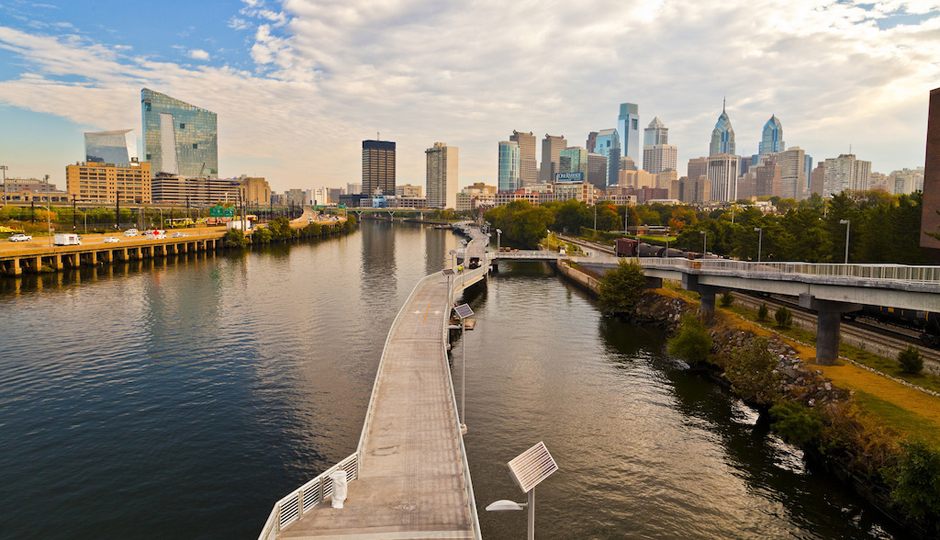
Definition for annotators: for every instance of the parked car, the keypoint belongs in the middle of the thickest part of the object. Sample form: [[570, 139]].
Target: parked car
[[110, 239], [20, 237], [131, 232]]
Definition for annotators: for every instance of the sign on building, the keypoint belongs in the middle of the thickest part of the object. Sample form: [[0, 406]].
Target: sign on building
[[569, 177]]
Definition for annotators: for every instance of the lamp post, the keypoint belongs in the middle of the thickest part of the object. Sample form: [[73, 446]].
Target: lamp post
[[704, 243], [595, 217], [499, 235], [527, 470], [760, 236], [848, 225], [4, 169]]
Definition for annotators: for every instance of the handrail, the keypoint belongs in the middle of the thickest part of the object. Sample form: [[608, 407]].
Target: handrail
[[300, 501]]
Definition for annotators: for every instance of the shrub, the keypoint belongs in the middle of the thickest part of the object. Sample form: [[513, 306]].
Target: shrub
[[621, 288], [234, 238], [726, 299], [784, 317], [796, 423], [910, 359], [261, 236], [751, 372], [918, 480], [692, 342], [763, 312]]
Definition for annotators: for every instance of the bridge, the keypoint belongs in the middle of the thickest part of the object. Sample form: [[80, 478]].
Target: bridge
[[828, 289], [408, 478]]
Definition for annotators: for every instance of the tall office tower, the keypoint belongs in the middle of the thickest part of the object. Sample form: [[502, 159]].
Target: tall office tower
[[818, 179], [596, 170], [574, 159], [628, 128], [442, 175], [846, 172], [723, 174], [697, 167], [793, 173], [117, 147], [655, 133], [179, 138], [664, 179], [378, 167], [808, 168], [607, 144], [930, 220], [509, 178], [772, 138], [591, 142], [529, 167], [722, 136], [551, 150], [627, 164], [767, 177], [862, 176]]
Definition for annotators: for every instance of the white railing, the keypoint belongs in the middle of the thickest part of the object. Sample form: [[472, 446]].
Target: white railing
[[306, 497], [530, 255], [893, 272]]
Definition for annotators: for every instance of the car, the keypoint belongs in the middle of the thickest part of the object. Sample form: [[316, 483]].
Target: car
[[178, 235], [111, 239], [20, 237], [131, 232]]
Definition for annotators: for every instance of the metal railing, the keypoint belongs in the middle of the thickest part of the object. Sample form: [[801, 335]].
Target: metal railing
[[530, 255], [306, 497]]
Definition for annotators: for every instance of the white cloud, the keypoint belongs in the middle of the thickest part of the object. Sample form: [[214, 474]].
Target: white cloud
[[330, 73], [198, 54]]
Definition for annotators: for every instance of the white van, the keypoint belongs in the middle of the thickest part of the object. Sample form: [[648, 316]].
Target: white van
[[131, 232], [68, 239]]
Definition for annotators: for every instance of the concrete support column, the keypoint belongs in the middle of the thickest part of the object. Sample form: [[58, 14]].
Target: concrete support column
[[16, 269], [708, 300], [37, 264], [57, 262], [828, 320]]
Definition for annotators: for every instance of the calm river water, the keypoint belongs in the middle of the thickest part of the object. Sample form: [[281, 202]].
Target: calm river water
[[181, 399]]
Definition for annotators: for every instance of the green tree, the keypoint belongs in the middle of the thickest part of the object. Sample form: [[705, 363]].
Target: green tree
[[261, 236], [784, 317], [313, 230], [727, 298], [521, 223], [796, 423], [763, 312], [692, 341], [910, 359], [280, 229], [234, 238], [918, 480], [751, 372], [621, 288]]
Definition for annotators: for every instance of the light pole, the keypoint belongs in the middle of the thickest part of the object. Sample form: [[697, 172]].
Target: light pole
[[848, 225], [760, 236], [704, 243], [4, 169], [595, 218], [499, 235]]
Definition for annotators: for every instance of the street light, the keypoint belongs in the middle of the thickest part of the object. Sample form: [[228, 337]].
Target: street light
[[760, 236], [704, 243], [527, 470], [4, 169], [499, 235], [463, 311], [848, 225]]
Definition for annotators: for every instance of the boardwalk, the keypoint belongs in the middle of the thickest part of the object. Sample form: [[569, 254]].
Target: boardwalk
[[413, 481]]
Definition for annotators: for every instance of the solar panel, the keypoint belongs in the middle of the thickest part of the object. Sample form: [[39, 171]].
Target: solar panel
[[529, 468], [463, 311], [448, 272]]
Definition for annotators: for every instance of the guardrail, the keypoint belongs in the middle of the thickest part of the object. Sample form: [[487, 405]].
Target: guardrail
[[302, 500], [530, 255]]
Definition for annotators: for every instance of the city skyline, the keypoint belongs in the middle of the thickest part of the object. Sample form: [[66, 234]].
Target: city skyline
[[298, 85]]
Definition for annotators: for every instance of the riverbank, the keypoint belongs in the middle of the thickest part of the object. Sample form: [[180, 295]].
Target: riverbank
[[857, 423]]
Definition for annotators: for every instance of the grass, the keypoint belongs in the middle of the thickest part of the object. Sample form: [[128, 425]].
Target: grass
[[908, 424]]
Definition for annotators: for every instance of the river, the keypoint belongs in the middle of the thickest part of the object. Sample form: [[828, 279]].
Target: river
[[181, 399]]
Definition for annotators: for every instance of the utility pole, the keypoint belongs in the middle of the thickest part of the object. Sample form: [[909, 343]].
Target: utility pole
[[4, 169], [117, 211], [74, 223]]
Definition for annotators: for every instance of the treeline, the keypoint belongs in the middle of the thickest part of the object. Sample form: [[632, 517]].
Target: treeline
[[279, 230], [882, 227]]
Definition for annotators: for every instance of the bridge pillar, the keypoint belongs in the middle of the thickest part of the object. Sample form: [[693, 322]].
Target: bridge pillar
[[828, 320], [707, 292]]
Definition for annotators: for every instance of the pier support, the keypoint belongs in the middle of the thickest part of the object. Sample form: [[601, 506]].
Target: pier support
[[707, 292], [828, 319]]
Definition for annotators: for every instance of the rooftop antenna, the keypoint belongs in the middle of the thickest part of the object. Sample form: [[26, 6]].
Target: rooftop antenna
[[723, 100], [378, 136]]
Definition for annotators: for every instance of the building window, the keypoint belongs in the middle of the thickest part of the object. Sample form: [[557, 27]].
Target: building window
[[195, 145], [147, 106], [148, 157], [182, 126], [635, 123]]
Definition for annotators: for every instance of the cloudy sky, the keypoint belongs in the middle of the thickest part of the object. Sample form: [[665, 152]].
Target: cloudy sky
[[298, 84]]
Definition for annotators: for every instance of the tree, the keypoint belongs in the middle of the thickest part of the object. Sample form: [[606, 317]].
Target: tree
[[752, 372], [784, 317], [621, 288], [762, 312], [692, 341], [918, 480], [521, 223], [261, 236], [234, 238], [280, 229], [910, 359], [727, 298]]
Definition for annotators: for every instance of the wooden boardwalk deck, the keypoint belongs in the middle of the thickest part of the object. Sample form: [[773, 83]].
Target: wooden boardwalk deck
[[412, 483]]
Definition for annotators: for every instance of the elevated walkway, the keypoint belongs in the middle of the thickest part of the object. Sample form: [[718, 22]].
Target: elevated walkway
[[409, 477]]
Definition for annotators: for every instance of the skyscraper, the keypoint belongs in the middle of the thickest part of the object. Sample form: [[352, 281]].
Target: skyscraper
[[722, 136], [378, 167], [607, 144], [117, 147], [793, 173], [442, 175], [845, 172], [574, 159], [772, 138], [930, 220], [628, 128], [528, 166], [723, 174], [658, 155], [179, 138], [551, 149], [509, 178]]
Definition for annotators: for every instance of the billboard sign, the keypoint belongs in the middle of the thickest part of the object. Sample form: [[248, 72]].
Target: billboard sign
[[569, 177]]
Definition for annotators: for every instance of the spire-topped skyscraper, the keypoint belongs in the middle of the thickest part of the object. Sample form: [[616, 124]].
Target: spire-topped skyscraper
[[772, 137], [722, 135]]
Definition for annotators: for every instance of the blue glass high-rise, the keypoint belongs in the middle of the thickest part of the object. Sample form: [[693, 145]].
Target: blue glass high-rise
[[509, 178], [115, 147], [772, 137], [179, 138], [722, 136], [628, 128]]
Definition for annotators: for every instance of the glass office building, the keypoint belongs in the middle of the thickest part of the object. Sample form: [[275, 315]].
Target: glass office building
[[115, 147], [628, 129], [509, 178], [722, 136], [378, 167], [772, 137], [179, 138]]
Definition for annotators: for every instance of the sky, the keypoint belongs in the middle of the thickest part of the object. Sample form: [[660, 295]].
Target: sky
[[299, 84]]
